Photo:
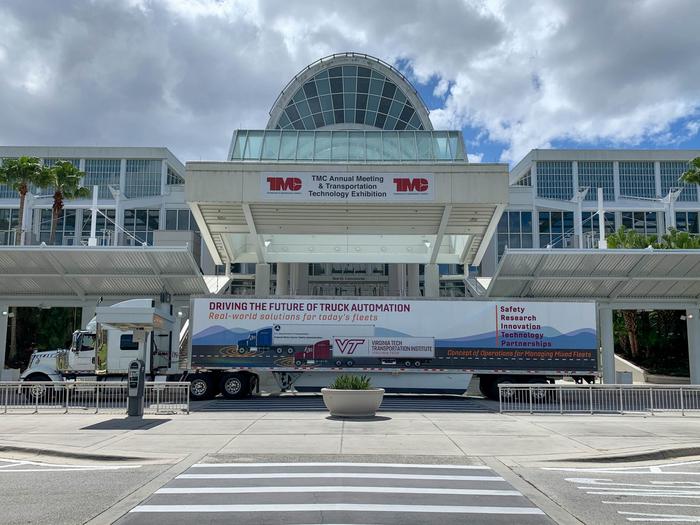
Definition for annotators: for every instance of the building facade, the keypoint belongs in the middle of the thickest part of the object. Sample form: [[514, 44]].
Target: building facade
[[354, 117]]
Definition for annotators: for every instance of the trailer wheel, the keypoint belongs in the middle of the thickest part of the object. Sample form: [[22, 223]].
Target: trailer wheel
[[417, 364], [235, 386], [290, 351], [349, 362], [338, 363], [407, 364], [278, 350], [202, 387], [298, 362]]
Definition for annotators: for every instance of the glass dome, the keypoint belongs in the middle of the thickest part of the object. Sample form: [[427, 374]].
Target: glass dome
[[349, 91]]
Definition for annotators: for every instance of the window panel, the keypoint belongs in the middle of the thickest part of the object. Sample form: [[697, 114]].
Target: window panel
[[142, 178], [555, 180], [637, 179], [103, 173]]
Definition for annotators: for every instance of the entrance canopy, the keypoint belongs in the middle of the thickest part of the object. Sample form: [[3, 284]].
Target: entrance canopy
[[347, 197], [70, 271], [639, 276]]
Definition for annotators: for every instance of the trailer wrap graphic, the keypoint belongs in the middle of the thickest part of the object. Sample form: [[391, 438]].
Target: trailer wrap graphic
[[473, 335]]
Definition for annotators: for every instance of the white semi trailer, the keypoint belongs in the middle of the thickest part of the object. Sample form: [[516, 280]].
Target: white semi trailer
[[404, 345]]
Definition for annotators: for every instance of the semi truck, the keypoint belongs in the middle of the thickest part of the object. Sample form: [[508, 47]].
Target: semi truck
[[403, 345]]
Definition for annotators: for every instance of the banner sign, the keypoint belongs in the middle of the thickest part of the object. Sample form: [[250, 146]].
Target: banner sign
[[476, 335], [384, 347], [347, 187]]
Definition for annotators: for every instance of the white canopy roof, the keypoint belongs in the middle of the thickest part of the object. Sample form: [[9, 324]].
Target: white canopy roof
[[95, 271], [616, 275]]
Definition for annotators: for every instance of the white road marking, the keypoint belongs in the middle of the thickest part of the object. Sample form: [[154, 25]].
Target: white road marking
[[383, 490], [370, 475], [650, 503], [641, 516], [56, 467], [372, 465], [644, 494], [341, 507], [604, 482]]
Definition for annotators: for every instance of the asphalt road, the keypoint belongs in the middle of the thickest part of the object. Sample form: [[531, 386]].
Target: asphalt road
[[54, 493], [616, 494]]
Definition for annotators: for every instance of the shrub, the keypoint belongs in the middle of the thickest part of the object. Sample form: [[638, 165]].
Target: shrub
[[350, 382]]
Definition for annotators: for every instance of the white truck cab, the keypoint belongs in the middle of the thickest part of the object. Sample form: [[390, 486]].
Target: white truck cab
[[118, 334]]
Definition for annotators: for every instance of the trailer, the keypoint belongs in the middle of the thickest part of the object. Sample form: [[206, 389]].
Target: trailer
[[403, 345]]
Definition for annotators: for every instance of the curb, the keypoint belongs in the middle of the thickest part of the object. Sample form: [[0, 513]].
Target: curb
[[669, 453], [73, 455]]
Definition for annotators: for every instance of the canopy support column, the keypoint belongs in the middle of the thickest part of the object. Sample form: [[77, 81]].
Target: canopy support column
[[431, 280], [607, 344], [282, 287], [4, 315], [413, 280], [693, 324], [262, 280], [87, 313]]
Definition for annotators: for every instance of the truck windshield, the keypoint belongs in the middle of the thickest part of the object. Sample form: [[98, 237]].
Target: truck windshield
[[87, 343]]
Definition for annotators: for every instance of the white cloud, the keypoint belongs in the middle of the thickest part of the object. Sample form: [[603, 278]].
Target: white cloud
[[475, 157], [185, 73]]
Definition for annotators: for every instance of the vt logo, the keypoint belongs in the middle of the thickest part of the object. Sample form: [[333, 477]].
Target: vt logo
[[348, 346]]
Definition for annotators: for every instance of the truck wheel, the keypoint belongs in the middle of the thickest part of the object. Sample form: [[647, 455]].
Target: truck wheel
[[338, 363], [298, 362], [540, 395], [39, 392], [349, 362], [235, 386], [202, 387], [417, 364]]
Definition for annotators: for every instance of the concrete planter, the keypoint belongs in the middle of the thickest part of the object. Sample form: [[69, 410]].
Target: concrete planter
[[352, 403]]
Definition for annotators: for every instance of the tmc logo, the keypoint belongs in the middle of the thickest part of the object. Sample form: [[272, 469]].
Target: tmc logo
[[404, 185], [348, 346], [284, 183]]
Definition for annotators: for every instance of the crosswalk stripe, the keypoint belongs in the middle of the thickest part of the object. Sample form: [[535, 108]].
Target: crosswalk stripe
[[365, 475], [321, 464], [342, 507], [371, 490]]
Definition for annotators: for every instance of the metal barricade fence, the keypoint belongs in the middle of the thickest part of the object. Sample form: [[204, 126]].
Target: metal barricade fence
[[31, 397], [598, 399]]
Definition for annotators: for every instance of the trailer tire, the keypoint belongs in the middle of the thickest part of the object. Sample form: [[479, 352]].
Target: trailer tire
[[235, 386], [202, 387], [298, 362]]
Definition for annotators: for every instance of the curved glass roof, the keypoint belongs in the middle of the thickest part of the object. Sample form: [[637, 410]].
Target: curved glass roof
[[358, 146], [349, 91]]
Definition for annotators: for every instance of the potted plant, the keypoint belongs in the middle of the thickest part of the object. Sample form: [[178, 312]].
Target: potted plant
[[352, 396]]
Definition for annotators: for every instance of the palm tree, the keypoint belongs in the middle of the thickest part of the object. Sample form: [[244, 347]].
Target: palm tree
[[692, 176], [20, 174], [66, 182]]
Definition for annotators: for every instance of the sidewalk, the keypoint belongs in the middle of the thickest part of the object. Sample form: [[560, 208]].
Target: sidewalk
[[513, 439]]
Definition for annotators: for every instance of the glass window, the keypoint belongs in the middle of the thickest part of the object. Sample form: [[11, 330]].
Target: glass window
[[142, 177], [253, 146], [687, 221], [514, 230], [357, 146], [126, 342], [271, 145], [637, 179], [305, 145], [555, 180], [596, 175], [556, 229], [140, 225], [102, 173], [670, 178]]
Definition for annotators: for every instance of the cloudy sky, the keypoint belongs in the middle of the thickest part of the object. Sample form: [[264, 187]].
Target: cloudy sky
[[514, 75]]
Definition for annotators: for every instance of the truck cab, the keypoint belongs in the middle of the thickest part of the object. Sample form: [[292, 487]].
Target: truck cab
[[118, 334]]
